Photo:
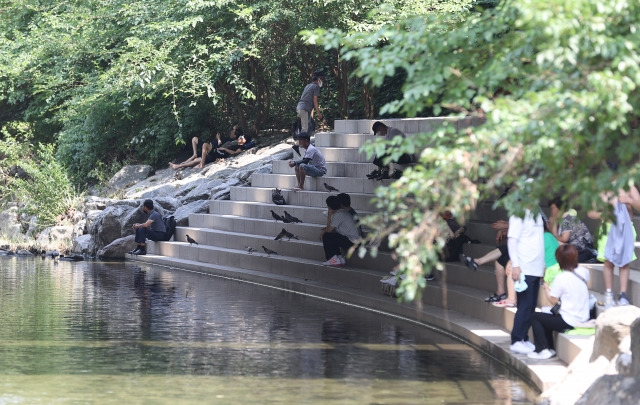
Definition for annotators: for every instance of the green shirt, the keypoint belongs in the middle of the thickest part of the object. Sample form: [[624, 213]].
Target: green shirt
[[550, 246]]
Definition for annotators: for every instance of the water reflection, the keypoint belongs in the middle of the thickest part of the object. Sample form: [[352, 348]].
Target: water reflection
[[82, 332]]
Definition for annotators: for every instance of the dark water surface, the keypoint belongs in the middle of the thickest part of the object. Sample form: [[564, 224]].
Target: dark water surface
[[124, 333]]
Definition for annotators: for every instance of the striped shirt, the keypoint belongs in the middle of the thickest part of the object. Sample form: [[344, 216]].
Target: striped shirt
[[344, 224]]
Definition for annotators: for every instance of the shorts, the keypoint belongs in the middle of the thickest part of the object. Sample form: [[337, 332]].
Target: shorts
[[504, 255], [311, 170]]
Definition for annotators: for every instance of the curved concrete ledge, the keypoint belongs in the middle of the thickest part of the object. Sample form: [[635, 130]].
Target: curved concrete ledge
[[486, 337]]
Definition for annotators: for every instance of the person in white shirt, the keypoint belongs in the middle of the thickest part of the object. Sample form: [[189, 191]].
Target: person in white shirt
[[341, 232], [312, 164], [570, 286], [525, 240]]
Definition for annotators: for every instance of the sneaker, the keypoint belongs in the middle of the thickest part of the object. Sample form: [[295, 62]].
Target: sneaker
[[343, 260], [469, 262], [396, 174], [496, 298], [373, 174], [623, 300], [521, 347], [530, 345], [140, 251], [334, 261], [541, 355], [391, 281], [608, 300]]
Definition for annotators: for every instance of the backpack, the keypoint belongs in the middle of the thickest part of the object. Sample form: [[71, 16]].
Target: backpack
[[277, 197], [170, 226]]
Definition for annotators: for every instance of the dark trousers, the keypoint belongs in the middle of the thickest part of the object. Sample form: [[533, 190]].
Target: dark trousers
[[332, 242], [142, 234], [543, 326], [404, 160], [527, 301]]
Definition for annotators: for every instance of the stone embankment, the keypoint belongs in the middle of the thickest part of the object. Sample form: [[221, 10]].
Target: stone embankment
[[102, 227]]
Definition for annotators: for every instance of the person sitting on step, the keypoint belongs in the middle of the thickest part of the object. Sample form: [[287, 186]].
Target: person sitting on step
[[341, 232], [312, 164], [382, 172], [152, 229]]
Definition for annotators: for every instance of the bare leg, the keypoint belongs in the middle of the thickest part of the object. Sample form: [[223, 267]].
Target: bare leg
[[194, 145], [624, 277], [511, 290], [607, 273], [187, 163], [500, 278], [489, 257], [301, 178], [206, 148]]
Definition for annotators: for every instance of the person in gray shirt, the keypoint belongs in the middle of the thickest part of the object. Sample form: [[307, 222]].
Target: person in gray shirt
[[152, 229], [309, 101]]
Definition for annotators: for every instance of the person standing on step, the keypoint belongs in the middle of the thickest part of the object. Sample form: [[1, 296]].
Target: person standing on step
[[152, 229], [312, 164], [525, 240], [382, 172], [308, 102]]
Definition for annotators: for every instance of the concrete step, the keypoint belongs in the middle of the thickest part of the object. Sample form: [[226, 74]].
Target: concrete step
[[334, 169], [309, 249], [343, 184], [300, 268], [359, 201], [406, 125], [307, 214], [341, 140], [335, 154]]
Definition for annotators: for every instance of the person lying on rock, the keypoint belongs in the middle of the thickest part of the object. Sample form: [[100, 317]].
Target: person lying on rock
[[208, 154]]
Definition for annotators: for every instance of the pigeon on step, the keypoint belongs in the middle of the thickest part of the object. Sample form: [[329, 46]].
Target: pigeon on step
[[249, 249], [268, 251], [276, 216], [191, 240], [288, 218], [331, 188], [284, 233]]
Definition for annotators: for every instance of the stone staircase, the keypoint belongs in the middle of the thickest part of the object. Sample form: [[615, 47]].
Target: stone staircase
[[454, 301]]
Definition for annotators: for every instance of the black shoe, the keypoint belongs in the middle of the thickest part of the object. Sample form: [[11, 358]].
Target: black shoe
[[383, 176], [396, 174], [140, 251], [469, 262], [496, 298], [373, 174], [133, 252]]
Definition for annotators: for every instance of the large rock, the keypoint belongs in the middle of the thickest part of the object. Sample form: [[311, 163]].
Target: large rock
[[81, 244], [107, 227], [612, 390], [635, 348], [202, 191], [56, 236], [165, 190], [118, 248], [129, 175], [182, 214], [168, 203], [9, 223], [612, 327]]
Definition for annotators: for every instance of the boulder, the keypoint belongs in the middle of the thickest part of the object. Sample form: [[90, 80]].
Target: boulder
[[9, 224], [203, 190], [612, 326], [94, 203], [612, 390], [91, 217], [188, 187], [55, 236], [107, 227], [635, 348], [165, 190], [268, 168], [129, 175], [182, 214], [118, 248], [23, 252], [81, 244], [79, 229], [168, 203]]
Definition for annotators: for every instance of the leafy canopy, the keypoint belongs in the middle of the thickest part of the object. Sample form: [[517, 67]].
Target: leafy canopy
[[557, 85]]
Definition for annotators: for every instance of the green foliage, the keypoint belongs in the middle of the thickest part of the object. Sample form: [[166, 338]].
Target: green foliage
[[48, 193], [556, 85]]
